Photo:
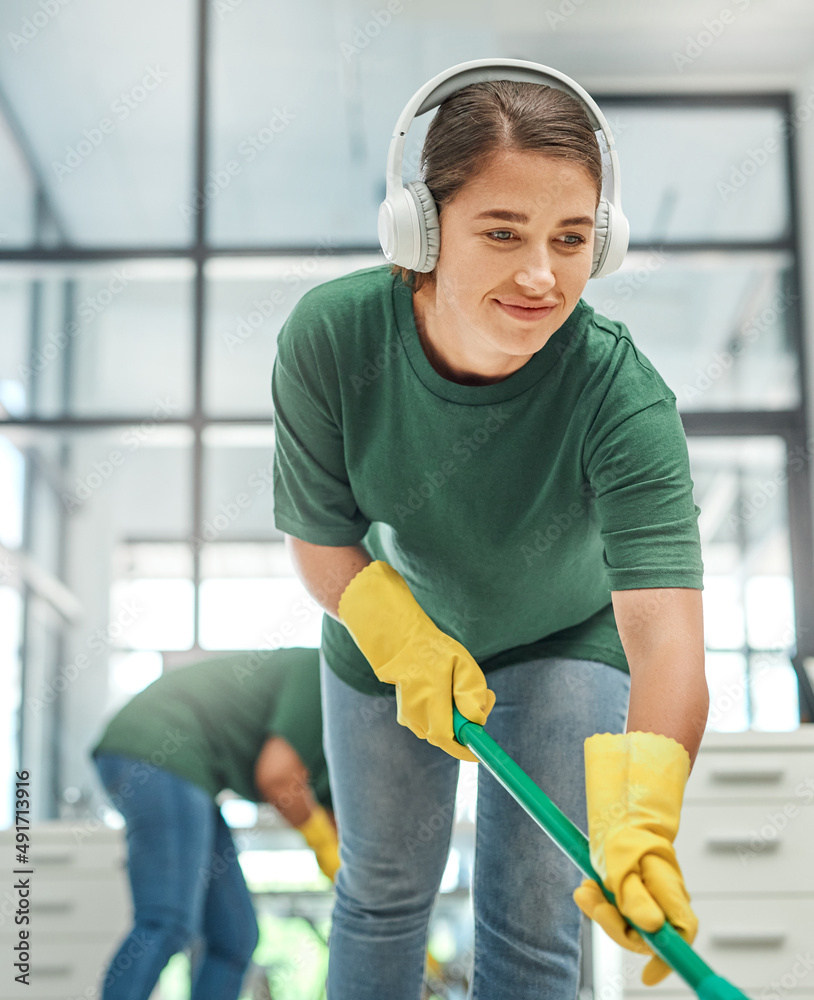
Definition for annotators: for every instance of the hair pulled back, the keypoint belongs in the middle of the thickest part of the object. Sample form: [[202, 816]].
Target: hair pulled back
[[483, 120]]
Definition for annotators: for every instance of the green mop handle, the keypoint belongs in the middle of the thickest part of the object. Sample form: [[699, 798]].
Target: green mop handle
[[665, 942]]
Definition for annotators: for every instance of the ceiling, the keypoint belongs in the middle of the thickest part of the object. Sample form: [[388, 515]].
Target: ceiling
[[607, 42]]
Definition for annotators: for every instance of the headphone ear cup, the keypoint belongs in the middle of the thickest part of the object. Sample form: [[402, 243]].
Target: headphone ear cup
[[601, 222], [429, 228], [611, 236]]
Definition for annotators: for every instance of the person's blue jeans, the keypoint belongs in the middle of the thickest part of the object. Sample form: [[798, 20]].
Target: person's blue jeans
[[394, 796], [186, 884]]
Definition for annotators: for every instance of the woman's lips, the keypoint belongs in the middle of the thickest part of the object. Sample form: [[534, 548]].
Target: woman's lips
[[520, 312]]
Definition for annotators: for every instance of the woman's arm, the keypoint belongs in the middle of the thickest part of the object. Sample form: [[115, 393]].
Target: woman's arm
[[662, 632], [326, 570], [282, 779]]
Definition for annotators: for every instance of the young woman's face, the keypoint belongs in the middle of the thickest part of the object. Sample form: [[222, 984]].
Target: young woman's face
[[516, 252]]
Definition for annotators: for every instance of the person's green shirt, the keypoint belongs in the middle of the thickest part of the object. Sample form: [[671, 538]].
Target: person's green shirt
[[208, 721], [513, 509]]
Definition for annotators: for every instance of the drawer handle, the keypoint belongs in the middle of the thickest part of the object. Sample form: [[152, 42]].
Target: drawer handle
[[54, 906], [766, 775], [729, 842], [736, 938], [41, 971]]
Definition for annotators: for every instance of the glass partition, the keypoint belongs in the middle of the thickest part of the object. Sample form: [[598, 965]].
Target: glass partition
[[750, 626]]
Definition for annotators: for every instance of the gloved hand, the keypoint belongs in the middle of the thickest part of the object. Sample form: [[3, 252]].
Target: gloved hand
[[320, 835], [635, 787], [403, 645]]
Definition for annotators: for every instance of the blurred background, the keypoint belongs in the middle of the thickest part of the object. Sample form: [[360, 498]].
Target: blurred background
[[174, 176]]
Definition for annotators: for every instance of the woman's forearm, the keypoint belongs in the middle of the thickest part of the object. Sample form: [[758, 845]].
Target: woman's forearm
[[667, 699], [662, 632], [282, 779], [325, 570]]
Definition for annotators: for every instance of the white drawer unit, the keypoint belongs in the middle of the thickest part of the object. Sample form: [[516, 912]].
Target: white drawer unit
[[752, 942], [786, 775], [92, 905], [64, 968], [80, 908], [746, 848]]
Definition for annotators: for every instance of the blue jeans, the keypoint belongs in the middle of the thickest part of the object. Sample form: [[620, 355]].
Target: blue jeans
[[185, 880], [394, 796]]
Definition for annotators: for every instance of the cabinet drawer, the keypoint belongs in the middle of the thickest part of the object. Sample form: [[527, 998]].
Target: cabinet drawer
[[63, 849], [755, 943], [68, 906], [749, 850], [62, 969], [778, 774]]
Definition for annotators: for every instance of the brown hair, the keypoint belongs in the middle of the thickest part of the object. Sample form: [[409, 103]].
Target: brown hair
[[484, 119]]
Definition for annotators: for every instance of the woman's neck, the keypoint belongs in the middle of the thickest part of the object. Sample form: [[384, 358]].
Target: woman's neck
[[423, 315]]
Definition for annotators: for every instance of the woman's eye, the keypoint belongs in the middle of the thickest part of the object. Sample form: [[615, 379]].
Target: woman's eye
[[506, 236]]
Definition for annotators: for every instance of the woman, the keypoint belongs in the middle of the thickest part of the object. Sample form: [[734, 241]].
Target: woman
[[486, 486], [250, 722]]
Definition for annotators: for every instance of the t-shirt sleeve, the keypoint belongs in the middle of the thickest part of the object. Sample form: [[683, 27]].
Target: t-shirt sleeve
[[639, 473], [297, 718], [313, 499]]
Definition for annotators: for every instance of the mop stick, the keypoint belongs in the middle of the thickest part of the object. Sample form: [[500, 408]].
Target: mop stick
[[665, 942]]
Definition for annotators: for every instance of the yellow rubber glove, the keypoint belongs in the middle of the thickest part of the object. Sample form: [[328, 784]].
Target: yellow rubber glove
[[404, 646], [635, 787], [320, 835]]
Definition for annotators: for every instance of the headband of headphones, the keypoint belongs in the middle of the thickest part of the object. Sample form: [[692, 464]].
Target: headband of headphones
[[411, 206]]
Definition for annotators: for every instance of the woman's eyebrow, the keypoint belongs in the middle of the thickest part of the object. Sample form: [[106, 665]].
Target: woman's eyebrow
[[506, 216], [578, 220]]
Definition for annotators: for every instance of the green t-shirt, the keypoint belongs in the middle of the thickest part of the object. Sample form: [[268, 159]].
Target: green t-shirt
[[512, 510], [208, 721]]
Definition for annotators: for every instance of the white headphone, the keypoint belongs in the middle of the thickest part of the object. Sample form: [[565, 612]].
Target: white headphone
[[408, 226]]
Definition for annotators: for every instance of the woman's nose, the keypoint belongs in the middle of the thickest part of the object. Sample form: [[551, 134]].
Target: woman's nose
[[536, 268]]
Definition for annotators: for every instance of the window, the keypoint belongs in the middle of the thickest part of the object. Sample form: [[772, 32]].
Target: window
[[142, 291], [710, 292]]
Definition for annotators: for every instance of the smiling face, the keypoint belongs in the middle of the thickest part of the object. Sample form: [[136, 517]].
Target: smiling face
[[516, 253]]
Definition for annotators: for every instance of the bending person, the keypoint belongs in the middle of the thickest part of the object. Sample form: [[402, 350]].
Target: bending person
[[498, 512], [250, 722]]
